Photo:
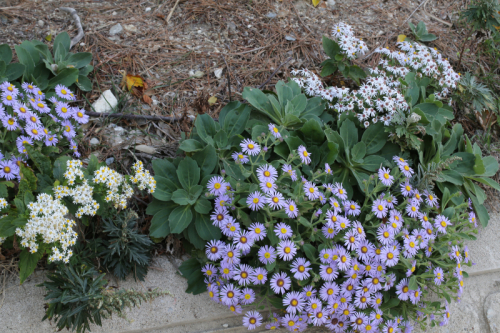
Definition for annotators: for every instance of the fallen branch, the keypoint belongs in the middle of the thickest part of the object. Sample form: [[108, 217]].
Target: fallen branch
[[135, 116], [171, 12], [274, 73], [76, 19]]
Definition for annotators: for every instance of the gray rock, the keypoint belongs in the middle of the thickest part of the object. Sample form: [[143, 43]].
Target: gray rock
[[271, 15], [110, 160], [94, 141], [330, 4], [492, 312], [41, 23], [106, 102], [146, 149], [116, 29]]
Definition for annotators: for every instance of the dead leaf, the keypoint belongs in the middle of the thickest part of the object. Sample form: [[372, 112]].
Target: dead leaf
[[147, 99], [315, 2], [401, 38], [134, 81], [212, 100]]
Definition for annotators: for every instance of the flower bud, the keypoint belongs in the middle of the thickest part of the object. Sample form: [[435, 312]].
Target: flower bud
[[223, 172]]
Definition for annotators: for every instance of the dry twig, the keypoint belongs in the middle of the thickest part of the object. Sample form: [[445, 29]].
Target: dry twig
[[134, 116], [76, 19]]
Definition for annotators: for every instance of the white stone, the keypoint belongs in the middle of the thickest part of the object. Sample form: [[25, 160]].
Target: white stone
[[94, 141], [130, 28], [146, 149], [218, 73], [492, 312], [41, 23], [106, 102], [148, 9], [116, 29], [330, 4], [196, 74]]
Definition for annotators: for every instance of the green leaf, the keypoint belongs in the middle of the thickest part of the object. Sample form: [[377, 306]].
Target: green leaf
[[66, 77], [160, 225], [14, 71], [155, 206], [276, 302], [331, 47], [188, 173], [206, 159], [452, 177], [358, 152], [180, 219], [164, 188], [3, 191], [7, 228], [391, 303], [62, 40], [5, 53], [221, 139], [259, 100], [234, 171], [80, 59], [27, 263], [203, 206], [191, 270], [166, 169], [483, 180], [192, 236], [310, 251], [490, 165], [479, 168], [349, 133], [206, 230], [374, 138], [236, 120], [180, 197], [28, 197], [481, 211], [313, 133], [41, 161], [205, 127], [191, 145], [329, 67], [93, 164], [372, 163], [413, 285], [83, 83]]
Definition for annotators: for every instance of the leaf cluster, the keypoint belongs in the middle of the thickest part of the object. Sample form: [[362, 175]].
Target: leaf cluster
[[420, 32], [483, 14], [339, 61]]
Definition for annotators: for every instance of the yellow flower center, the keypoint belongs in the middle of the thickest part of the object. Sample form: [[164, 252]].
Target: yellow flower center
[[292, 208], [329, 270], [267, 255], [275, 130], [301, 268], [407, 168], [217, 186], [412, 245], [287, 250], [405, 289], [443, 224], [260, 277], [294, 302], [256, 200], [9, 97], [386, 175], [11, 121], [380, 207], [276, 200], [267, 173], [390, 255], [40, 105], [63, 91], [352, 207], [269, 185], [251, 146], [341, 191], [283, 230], [305, 153]]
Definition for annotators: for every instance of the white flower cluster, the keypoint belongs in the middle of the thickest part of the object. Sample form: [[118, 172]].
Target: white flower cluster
[[119, 191], [47, 219], [74, 170], [143, 178], [82, 194], [380, 97], [351, 46], [3, 203]]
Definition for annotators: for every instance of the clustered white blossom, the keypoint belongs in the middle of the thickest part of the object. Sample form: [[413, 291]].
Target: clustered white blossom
[[143, 178], [47, 219], [350, 45], [119, 191], [380, 97], [82, 194], [74, 169]]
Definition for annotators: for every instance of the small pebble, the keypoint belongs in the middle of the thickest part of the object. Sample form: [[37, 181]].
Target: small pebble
[[110, 160], [41, 23], [148, 9]]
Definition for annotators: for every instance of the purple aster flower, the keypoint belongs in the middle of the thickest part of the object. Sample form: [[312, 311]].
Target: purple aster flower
[[229, 294], [339, 191], [257, 231], [329, 291], [226, 270], [311, 191], [376, 317], [300, 268], [305, 156], [215, 249], [291, 322], [259, 276], [267, 254], [64, 93], [221, 201], [347, 309], [390, 255], [412, 208], [250, 147], [240, 157], [328, 170], [235, 308], [411, 247], [326, 256], [286, 250], [416, 196], [230, 228], [34, 131], [39, 94], [406, 170], [243, 240], [275, 200], [29, 88], [8, 98], [376, 301], [403, 290], [319, 317], [328, 187], [360, 231], [359, 320], [209, 270], [283, 231], [365, 250], [21, 110], [322, 199], [329, 272], [390, 326], [216, 185], [379, 208], [406, 189], [472, 218], [63, 110], [10, 123], [415, 295], [268, 187], [309, 292], [329, 230], [441, 222], [352, 208], [267, 173], [350, 240], [294, 302], [40, 106], [280, 283], [466, 254], [288, 169], [342, 223], [256, 201], [384, 175], [243, 274], [68, 129], [80, 116], [375, 282], [231, 255], [331, 217], [455, 254], [384, 234], [32, 119], [337, 208], [343, 260], [291, 209], [8, 170], [10, 88], [446, 316], [252, 320], [438, 276], [274, 130], [21, 141], [391, 201]]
